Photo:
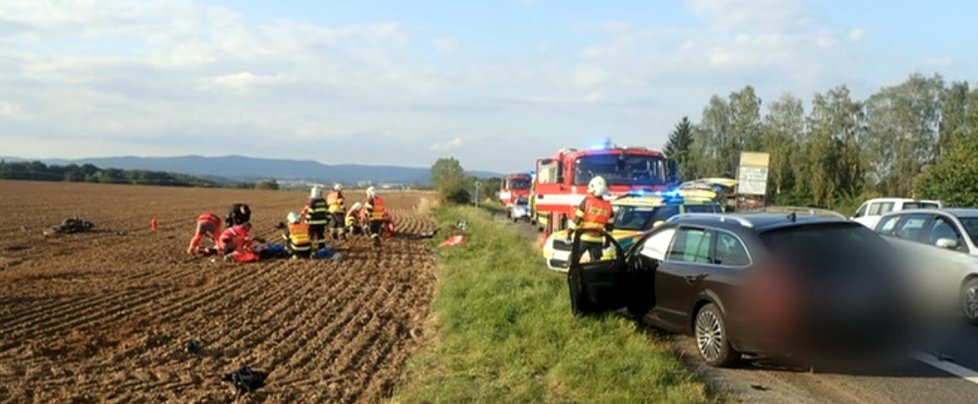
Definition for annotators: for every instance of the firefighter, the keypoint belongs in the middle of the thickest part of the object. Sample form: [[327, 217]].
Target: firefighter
[[593, 216], [374, 213], [296, 234], [353, 219], [317, 216], [336, 208], [208, 224], [240, 213]]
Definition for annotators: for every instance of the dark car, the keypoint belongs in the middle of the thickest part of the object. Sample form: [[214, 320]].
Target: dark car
[[754, 284]]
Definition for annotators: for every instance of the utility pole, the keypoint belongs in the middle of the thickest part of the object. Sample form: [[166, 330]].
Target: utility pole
[[478, 184]]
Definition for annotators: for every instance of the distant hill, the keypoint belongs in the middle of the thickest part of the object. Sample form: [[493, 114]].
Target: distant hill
[[241, 168]]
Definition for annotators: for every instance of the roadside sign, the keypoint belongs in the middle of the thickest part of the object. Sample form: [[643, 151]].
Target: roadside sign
[[752, 174]]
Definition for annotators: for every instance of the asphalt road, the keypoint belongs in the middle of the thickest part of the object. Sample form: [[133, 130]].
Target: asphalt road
[[944, 370]]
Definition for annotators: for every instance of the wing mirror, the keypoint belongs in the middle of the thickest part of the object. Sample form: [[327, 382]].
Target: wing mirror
[[946, 243]]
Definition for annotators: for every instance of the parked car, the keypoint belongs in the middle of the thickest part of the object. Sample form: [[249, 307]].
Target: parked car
[[869, 212], [799, 210], [634, 215], [519, 210], [754, 283], [945, 245]]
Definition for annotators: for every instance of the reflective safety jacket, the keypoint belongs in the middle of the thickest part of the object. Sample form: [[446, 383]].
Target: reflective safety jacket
[[298, 237], [335, 202], [593, 215], [316, 212], [352, 216], [374, 208], [235, 238]]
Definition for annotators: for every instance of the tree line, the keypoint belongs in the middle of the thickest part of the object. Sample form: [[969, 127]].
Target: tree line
[[454, 185], [914, 139], [38, 171]]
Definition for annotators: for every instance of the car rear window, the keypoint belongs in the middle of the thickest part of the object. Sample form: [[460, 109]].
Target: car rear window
[[704, 208], [919, 205], [827, 243]]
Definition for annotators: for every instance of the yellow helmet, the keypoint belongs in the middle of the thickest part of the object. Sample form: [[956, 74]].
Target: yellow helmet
[[597, 186]]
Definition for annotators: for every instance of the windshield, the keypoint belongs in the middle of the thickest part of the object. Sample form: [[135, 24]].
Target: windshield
[[704, 208], [971, 226], [518, 183], [620, 169], [642, 218]]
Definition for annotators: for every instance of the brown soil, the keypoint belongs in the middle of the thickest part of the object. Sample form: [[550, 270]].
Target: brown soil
[[104, 315]]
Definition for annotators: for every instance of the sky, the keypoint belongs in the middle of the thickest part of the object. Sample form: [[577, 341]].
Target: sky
[[494, 83]]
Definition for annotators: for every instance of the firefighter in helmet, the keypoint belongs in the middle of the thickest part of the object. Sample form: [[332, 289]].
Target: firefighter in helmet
[[337, 210], [593, 216], [353, 219], [317, 216], [374, 213], [296, 234]]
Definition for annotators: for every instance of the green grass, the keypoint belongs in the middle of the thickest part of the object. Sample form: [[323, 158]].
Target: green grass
[[503, 332]]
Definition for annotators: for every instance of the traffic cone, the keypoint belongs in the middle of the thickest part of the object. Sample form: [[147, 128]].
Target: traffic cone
[[154, 224]]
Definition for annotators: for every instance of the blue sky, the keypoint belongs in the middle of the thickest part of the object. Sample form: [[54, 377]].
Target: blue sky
[[494, 83]]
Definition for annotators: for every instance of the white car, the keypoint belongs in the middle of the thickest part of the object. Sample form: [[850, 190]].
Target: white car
[[944, 248], [519, 210], [870, 212]]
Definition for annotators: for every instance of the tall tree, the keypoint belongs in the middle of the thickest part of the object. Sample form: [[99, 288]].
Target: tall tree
[[711, 152], [904, 124], [836, 127], [450, 180], [954, 113], [782, 131], [678, 146], [745, 121]]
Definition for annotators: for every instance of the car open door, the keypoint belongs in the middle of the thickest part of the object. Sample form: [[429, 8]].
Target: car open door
[[600, 285]]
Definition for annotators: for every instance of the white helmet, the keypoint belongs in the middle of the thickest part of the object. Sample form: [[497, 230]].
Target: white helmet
[[357, 206], [293, 217], [597, 186], [371, 192], [316, 192], [337, 187]]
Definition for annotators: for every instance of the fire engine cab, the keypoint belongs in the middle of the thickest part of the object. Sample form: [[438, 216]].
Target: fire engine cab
[[513, 187], [561, 181]]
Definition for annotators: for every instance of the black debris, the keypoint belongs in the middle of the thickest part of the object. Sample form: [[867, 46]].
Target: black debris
[[245, 379], [759, 387], [193, 346], [70, 226]]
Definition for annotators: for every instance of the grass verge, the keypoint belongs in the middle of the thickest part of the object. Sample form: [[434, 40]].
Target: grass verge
[[503, 332]]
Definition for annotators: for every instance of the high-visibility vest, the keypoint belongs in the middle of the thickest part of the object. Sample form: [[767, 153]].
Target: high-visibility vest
[[235, 236], [299, 237], [316, 212], [351, 216], [335, 202], [597, 214], [376, 208]]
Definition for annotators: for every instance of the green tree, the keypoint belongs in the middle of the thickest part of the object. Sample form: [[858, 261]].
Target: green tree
[[450, 180], [678, 146], [782, 131], [952, 178], [954, 114], [266, 184], [711, 153]]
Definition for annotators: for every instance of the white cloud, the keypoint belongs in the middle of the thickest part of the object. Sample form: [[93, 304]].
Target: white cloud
[[447, 45], [857, 35], [10, 110], [245, 82], [447, 145]]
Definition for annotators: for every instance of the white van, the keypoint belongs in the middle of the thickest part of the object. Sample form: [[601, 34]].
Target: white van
[[870, 212]]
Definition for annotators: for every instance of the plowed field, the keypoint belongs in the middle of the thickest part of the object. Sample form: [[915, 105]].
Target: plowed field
[[103, 316]]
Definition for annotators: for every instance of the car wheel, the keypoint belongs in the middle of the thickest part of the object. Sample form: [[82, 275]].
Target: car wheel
[[711, 337], [969, 301]]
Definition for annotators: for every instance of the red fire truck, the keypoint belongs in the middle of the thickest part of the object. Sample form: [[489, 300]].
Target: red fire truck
[[561, 181], [514, 187]]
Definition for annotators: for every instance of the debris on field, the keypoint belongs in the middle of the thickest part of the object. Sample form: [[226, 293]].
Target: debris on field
[[462, 225], [759, 387], [452, 241], [193, 346], [70, 226], [245, 379]]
